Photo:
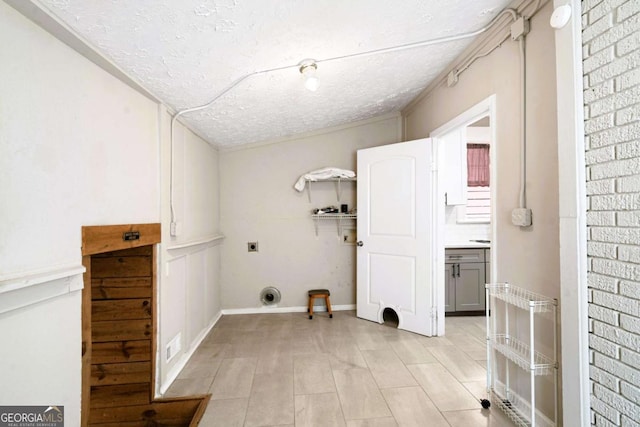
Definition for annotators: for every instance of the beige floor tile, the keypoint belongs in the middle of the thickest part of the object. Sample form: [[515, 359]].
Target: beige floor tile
[[412, 352], [373, 422], [234, 378], [210, 350], [346, 357], [225, 413], [387, 369], [189, 387], [467, 341], [429, 342], [442, 388], [244, 349], [477, 388], [371, 341], [199, 369], [359, 395], [479, 356], [312, 374], [318, 410], [282, 363], [478, 418], [220, 335], [263, 359], [461, 366], [271, 401], [304, 345], [411, 407]]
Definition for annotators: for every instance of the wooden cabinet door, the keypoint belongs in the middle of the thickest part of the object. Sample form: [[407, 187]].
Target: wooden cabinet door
[[449, 288], [470, 293]]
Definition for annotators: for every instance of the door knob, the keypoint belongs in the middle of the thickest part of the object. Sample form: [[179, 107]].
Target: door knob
[[359, 243]]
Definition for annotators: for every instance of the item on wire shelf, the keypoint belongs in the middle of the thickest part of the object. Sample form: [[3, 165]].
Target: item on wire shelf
[[324, 173], [328, 209]]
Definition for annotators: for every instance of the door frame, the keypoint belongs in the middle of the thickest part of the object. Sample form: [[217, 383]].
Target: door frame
[[574, 318], [484, 108]]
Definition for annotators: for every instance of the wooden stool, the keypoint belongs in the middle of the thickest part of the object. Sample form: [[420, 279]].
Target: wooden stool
[[319, 293]]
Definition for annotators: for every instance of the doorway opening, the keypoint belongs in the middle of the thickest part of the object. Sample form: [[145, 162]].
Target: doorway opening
[[464, 213]]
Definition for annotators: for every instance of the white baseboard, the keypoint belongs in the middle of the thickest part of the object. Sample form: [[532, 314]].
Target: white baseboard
[[276, 309], [182, 362]]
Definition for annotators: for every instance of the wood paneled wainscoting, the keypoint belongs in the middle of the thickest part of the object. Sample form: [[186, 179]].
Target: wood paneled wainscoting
[[119, 332]]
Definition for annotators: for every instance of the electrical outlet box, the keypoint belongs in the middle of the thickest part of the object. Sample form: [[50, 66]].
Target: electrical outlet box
[[452, 78], [175, 228], [349, 236], [520, 28], [252, 246], [521, 217]]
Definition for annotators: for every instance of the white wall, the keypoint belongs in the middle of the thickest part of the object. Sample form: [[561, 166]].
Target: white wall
[[77, 147], [259, 203], [190, 262], [535, 263], [527, 257]]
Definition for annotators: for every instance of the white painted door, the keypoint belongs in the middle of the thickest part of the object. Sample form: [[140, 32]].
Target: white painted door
[[395, 258]]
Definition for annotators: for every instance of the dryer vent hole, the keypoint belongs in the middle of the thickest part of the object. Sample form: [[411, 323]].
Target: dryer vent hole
[[390, 318]]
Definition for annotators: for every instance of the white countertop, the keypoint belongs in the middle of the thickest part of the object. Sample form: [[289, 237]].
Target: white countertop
[[463, 245]]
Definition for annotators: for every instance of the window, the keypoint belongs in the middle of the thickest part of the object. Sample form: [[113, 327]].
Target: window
[[478, 207], [478, 165]]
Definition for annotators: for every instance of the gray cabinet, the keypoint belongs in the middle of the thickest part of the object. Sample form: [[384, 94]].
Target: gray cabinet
[[465, 277]]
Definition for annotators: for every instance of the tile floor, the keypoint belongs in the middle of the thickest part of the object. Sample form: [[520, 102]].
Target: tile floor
[[287, 370]]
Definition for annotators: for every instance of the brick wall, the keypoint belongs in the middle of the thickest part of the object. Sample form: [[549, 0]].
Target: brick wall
[[611, 51]]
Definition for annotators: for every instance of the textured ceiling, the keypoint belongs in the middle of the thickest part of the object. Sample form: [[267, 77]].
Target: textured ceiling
[[187, 52]]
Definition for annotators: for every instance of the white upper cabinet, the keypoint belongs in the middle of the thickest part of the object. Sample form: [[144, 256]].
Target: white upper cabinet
[[453, 149]]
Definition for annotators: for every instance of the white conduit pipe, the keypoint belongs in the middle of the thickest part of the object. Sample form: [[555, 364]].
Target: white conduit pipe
[[523, 124], [512, 12]]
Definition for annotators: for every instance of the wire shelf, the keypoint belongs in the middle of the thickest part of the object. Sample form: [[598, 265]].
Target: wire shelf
[[521, 298], [331, 179], [516, 408], [334, 216], [519, 353]]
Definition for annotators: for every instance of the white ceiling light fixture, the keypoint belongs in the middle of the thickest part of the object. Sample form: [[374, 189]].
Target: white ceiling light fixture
[[308, 69]]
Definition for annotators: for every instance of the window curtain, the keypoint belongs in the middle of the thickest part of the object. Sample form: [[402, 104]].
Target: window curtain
[[478, 165]]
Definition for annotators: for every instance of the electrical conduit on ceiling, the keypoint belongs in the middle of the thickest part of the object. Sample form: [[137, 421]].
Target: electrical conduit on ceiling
[[512, 12]]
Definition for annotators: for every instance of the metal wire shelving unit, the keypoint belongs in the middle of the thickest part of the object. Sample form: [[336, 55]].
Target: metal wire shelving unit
[[518, 352], [339, 218]]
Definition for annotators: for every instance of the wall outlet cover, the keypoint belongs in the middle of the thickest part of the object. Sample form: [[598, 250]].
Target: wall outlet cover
[[521, 217]]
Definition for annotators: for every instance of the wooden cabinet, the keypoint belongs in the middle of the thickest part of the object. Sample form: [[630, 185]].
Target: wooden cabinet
[[465, 277], [119, 332], [454, 155]]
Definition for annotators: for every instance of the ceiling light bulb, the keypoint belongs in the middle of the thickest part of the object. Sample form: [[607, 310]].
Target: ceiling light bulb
[[308, 71]]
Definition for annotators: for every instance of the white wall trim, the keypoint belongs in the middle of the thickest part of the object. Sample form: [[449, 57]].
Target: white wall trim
[[196, 242], [276, 309], [573, 246], [29, 288]]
